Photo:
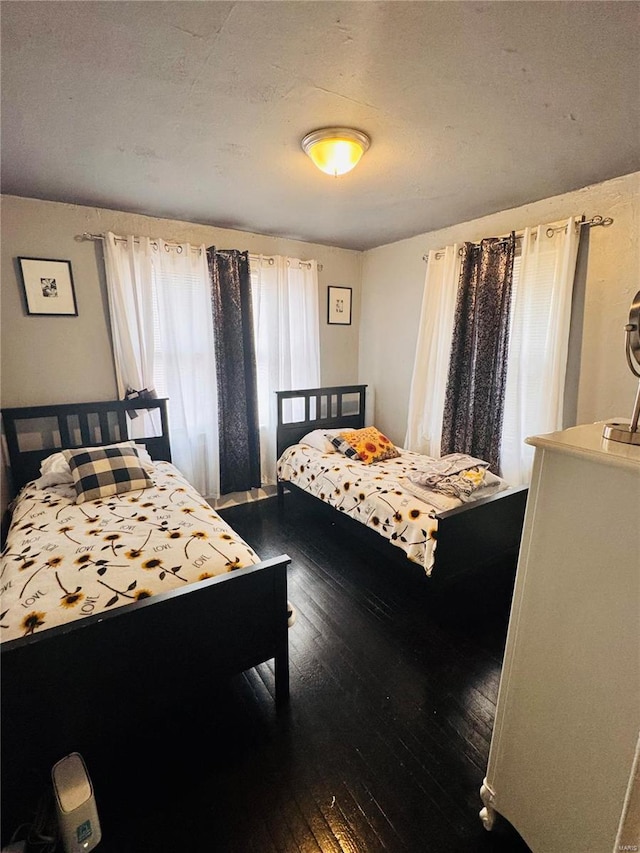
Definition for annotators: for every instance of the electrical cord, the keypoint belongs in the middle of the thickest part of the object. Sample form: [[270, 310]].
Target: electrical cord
[[41, 835]]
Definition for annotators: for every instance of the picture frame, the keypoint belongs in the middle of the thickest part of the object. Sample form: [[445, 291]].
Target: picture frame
[[339, 306], [48, 287]]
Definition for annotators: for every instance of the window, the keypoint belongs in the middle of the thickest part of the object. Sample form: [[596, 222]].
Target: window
[[286, 324]]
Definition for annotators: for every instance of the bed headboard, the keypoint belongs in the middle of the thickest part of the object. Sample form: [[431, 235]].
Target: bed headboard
[[332, 407], [71, 425]]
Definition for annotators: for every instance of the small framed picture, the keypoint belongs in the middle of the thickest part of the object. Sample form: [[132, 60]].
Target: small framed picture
[[48, 286], [339, 313]]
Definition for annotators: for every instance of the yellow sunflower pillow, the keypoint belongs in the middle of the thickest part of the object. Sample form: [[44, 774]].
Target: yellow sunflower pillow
[[370, 444]]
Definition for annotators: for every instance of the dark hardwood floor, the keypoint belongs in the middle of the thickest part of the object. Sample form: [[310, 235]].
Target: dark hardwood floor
[[383, 746]]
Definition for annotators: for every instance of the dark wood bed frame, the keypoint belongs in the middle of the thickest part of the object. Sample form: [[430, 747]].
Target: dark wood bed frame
[[470, 537], [56, 684]]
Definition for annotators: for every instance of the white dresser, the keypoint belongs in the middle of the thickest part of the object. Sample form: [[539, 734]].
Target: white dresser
[[568, 713]]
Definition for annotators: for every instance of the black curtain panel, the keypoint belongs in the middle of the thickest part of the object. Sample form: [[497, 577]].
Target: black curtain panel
[[236, 370], [474, 401]]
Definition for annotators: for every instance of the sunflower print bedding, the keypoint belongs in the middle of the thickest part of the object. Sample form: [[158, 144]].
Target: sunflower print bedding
[[65, 561], [388, 496]]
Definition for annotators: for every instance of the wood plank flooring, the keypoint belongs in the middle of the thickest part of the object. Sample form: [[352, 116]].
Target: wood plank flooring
[[383, 746]]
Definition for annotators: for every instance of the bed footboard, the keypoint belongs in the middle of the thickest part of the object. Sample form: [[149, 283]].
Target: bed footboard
[[74, 687], [470, 537], [481, 532]]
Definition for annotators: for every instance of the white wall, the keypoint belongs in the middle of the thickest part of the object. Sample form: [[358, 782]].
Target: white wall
[[599, 383], [69, 359]]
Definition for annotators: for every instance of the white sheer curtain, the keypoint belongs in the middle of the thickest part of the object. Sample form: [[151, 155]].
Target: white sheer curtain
[[430, 370], [543, 275], [538, 342], [185, 366], [160, 304], [286, 322], [130, 290]]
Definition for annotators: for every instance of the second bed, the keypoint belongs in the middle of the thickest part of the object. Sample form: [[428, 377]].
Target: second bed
[[470, 518]]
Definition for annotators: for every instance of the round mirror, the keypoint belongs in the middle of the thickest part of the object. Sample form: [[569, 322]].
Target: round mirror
[[621, 431], [633, 333]]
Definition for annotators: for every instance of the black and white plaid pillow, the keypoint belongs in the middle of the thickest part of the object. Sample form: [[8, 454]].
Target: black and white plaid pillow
[[100, 472], [343, 446]]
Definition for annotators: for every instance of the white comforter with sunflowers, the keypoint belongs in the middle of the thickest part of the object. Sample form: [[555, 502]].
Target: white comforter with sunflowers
[[387, 495], [66, 561]]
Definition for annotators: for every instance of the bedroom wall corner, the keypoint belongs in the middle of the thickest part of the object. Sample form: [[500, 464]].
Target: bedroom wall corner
[[598, 384], [392, 281]]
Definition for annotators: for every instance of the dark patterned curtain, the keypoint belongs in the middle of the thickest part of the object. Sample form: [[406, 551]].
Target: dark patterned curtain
[[474, 402], [236, 370]]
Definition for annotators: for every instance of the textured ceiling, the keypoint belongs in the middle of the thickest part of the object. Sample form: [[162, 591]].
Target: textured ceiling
[[195, 110]]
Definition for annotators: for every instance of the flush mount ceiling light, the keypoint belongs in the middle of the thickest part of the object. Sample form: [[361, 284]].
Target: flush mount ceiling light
[[335, 150]]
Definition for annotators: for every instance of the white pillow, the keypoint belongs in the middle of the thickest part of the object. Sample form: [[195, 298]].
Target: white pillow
[[490, 485], [318, 439], [55, 470]]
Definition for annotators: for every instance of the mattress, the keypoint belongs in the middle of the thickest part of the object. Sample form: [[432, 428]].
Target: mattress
[[379, 495], [65, 561]]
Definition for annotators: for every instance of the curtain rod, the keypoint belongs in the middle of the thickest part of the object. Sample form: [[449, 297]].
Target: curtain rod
[[168, 244], [594, 221], [171, 244], [270, 259]]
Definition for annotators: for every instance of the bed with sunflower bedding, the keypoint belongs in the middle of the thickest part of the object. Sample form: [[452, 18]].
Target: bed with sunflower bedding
[[117, 574], [67, 558], [447, 515]]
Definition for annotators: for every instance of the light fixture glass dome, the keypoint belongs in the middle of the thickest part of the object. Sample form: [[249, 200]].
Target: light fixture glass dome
[[335, 150]]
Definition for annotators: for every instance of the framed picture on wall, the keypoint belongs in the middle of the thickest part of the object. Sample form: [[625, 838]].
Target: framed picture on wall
[[48, 286], [339, 313]]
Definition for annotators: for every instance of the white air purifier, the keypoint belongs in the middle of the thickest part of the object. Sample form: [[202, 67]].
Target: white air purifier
[[75, 805]]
